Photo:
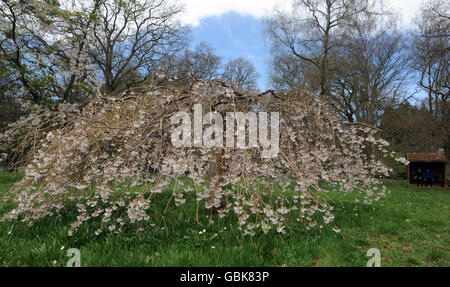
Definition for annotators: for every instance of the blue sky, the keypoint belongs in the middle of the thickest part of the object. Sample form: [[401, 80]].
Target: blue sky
[[235, 35]]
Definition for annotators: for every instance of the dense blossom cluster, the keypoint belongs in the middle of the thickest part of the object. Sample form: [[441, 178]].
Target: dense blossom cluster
[[114, 159], [22, 138]]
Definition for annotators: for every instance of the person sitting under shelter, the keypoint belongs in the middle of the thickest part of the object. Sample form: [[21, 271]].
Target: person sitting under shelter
[[428, 177], [419, 177]]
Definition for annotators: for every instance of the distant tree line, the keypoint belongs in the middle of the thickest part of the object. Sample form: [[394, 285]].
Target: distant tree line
[[352, 53]]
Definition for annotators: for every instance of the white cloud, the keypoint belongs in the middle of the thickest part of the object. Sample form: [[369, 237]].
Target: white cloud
[[198, 9], [407, 8]]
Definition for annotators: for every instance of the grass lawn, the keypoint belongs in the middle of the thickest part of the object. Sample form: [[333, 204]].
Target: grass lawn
[[411, 227]]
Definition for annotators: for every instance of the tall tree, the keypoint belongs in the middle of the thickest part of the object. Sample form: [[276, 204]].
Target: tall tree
[[134, 38], [241, 74], [287, 72], [369, 69], [431, 54], [199, 63], [310, 30]]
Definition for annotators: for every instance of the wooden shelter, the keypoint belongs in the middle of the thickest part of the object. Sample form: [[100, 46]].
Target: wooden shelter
[[434, 162]]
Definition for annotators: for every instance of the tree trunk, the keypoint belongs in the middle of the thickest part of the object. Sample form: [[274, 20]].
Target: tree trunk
[[216, 171]]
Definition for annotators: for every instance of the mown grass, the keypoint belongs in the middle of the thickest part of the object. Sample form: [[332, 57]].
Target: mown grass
[[410, 227]]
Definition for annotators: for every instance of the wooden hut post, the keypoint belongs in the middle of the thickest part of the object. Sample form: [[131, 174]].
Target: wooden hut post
[[408, 175]]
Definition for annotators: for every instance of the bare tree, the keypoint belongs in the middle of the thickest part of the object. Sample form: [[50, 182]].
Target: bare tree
[[431, 51], [200, 63], [431, 54], [287, 72], [241, 74], [309, 31], [133, 38], [369, 69]]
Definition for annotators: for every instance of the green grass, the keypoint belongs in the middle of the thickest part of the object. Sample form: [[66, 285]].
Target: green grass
[[410, 227]]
